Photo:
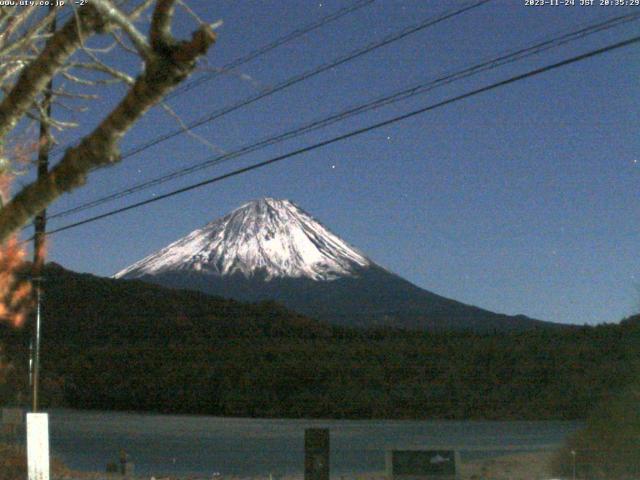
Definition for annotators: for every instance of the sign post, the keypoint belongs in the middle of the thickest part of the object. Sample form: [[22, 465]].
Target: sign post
[[38, 446]]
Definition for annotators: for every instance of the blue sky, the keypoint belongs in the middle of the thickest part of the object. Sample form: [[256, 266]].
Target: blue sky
[[519, 200]]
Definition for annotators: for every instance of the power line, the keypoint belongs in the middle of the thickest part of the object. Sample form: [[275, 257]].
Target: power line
[[263, 50], [352, 111], [306, 75], [271, 46], [357, 132]]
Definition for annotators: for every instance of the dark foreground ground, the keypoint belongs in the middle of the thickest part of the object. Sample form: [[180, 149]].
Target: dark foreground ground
[[529, 466]]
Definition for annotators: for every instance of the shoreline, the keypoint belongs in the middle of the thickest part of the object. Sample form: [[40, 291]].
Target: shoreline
[[518, 466]]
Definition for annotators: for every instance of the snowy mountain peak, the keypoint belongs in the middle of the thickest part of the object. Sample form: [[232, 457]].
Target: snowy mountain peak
[[267, 237]]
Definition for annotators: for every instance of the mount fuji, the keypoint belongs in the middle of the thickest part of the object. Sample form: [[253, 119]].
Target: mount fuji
[[271, 249]]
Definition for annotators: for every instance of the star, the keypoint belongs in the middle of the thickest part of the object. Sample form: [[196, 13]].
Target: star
[[333, 167]]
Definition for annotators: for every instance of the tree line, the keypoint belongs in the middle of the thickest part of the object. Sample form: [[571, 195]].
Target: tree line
[[125, 345]]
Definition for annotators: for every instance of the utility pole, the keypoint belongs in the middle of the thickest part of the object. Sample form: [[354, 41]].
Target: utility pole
[[40, 226]]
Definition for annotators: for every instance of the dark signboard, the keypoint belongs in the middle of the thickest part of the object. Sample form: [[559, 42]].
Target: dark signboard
[[422, 463], [316, 454]]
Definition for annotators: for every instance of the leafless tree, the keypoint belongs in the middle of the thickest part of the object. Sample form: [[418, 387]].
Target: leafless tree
[[31, 55]]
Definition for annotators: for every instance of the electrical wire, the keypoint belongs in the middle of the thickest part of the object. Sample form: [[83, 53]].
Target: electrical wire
[[354, 133], [271, 46], [394, 37], [259, 52], [359, 109]]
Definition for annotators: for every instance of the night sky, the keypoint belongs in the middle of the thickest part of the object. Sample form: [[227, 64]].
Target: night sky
[[520, 200]]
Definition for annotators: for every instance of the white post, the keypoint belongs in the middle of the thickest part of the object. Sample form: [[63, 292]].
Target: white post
[[38, 446]]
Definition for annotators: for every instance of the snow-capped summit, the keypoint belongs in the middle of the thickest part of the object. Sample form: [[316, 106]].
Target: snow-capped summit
[[267, 237], [272, 250]]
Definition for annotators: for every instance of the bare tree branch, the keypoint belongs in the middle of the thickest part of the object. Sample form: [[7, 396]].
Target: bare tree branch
[[161, 24], [103, 68], [188, 131], [27, 37], [108, 10], [123, 45], [35, 76], [169, 62], [137, 11]]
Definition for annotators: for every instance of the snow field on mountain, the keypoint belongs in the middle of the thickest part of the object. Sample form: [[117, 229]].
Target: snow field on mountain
[[270, 237]]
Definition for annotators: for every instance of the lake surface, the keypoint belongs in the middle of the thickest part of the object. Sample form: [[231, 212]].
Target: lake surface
[[201, 445]]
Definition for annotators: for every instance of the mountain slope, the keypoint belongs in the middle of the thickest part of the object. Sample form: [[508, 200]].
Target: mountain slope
[[82, 308], [126, 345], [272, 250], [273, 237]]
